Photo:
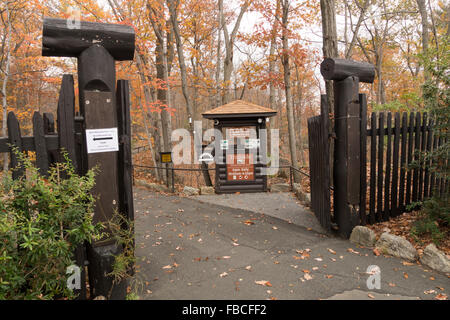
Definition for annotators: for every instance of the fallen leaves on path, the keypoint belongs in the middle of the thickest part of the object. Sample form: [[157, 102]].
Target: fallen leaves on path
[[431, 291], [376, 252], [371, 296], [405, 275], [223, 274], [406, 263], [263, 283], [331, 251], [248, 222], [352, 251], [307, 276], [441, 296]]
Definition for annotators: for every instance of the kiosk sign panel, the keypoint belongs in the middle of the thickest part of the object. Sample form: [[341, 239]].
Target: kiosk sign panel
[[240, 167]]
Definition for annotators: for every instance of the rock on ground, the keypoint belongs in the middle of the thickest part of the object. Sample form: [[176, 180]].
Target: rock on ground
[[363, 236], [396, 246], [207, 190], [280, 187], [304, 197], [152, 186], [190, 191], [435, 259]]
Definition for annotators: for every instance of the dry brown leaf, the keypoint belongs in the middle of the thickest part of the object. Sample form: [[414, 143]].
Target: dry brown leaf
[[392, 284], [263, 283], [305, 271], [307, 276], [371, 296], [432, 278], [405, 275], [167, 267], [331, 251], [431, 291], [376, 252], [328, 276], [406, 263], [223, 274], [441, 296], [248, 222]]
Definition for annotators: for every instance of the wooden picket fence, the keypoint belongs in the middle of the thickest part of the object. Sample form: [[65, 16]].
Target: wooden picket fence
[[395, 142], [44, 142]]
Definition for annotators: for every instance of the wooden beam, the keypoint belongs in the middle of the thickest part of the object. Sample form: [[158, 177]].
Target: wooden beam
[[60, 38], [339, 69]]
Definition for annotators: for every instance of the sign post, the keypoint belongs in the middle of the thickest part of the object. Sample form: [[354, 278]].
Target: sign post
[[105, 127], [166, 158]]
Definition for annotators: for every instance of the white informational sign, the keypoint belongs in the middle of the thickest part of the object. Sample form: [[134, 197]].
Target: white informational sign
[[224, 144], [252, 143], [102, 140]]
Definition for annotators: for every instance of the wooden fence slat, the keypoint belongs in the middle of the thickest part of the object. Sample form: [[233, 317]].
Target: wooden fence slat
[[403, 159], [410, 150], [380, 167], [422, 149], [373, 162], [387, 181], [363, 159], [124, 131], [66, 115], [433, 173], [40, 144], [15, 140], [416, 157], [426, 183], [440, 184], [395, 162]]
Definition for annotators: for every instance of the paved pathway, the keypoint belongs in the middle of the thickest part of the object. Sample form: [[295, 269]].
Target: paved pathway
[[197, 248]]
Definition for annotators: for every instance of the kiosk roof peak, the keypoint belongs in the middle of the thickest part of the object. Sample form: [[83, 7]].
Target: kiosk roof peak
[[239, 108]]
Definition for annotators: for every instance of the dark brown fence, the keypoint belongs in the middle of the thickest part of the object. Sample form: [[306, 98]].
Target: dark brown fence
[[319, 163], [44, 142], [395, 170]]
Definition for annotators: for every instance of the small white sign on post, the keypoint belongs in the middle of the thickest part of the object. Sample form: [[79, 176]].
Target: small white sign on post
[[102, 140], [224, 144]]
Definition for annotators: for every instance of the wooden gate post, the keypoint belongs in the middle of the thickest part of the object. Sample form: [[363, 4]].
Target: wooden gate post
[[347, 152], [97, 46]]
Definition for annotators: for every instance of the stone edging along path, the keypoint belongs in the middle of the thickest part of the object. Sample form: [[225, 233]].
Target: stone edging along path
[[399, 247]]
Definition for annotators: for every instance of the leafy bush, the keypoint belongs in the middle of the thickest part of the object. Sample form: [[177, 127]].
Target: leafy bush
[[42, 220], [436, 94]]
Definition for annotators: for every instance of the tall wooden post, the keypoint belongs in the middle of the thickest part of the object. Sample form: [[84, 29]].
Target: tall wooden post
[[104, 127], [347, 152]]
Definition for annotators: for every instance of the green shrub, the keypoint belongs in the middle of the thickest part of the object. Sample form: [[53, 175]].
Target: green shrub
[[436, 93], [42, 220]]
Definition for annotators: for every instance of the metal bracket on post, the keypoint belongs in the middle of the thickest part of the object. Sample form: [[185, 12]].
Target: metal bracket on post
[[346, 173]]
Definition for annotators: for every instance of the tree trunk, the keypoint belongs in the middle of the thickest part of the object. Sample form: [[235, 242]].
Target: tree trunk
[[148, 100], [287, 88], [272, 57], [425, 38], [329, 35], [5, 82], [184, 85], [219, 55], [229, 43]]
